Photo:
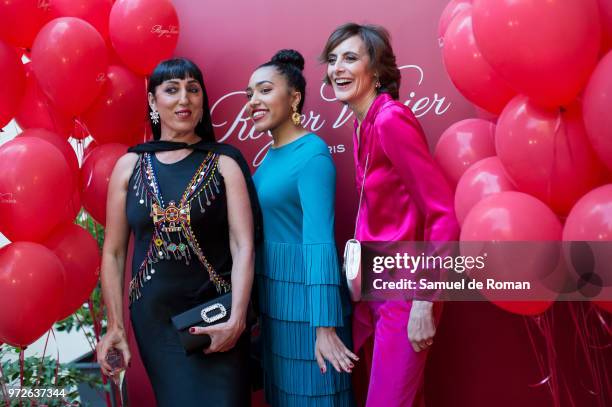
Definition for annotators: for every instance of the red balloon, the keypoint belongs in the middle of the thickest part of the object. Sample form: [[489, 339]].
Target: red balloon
[[33, 187], [120, 111], [36, 110], [469, 71], [20, 20], [60, 143], [74, 205], [13, 73], [485, 177], [589, 221], [543, 49], [452, 9], [95, 12], [32, 286], [514, 216], [79, 253], [95, 176], [70, 61], [596, 106], [143, 32], [605, 12], [462, 144], [546, 153]]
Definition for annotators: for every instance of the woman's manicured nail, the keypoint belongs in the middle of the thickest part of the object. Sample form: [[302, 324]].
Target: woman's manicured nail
[[192, 330]]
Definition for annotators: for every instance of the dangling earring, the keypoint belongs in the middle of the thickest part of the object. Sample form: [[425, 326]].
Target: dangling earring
[[377, 82], [201, 117], [296, 117], [154, 116]]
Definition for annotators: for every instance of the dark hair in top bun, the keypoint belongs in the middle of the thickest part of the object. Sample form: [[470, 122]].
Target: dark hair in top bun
[[290, 64]]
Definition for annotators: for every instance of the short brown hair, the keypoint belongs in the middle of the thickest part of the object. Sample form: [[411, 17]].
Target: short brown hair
[[378, 44]]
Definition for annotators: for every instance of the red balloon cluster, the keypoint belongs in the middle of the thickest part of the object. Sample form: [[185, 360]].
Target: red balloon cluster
[[85, 77], [545, 68]]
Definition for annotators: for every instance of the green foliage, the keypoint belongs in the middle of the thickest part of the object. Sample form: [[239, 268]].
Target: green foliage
[[46, 372]]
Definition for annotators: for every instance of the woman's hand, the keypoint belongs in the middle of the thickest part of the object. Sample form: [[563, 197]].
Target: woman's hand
[[114, 338], [224, 336], [421, 325], [328, 346]]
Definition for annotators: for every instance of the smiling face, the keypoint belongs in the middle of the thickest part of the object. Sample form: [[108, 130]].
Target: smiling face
[[179, 103], [348, 70], [271, 100]]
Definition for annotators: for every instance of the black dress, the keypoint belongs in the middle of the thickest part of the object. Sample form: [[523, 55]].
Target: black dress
[[169, 277]]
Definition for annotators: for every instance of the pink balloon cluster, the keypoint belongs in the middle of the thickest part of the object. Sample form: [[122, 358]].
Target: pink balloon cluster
[[546, 69], [89, 59]]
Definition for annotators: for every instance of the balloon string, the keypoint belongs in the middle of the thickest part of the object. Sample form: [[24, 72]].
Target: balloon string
[[544, 326], [42, 360], [81, 324], [21, 371], [534, 347], [581, 340]]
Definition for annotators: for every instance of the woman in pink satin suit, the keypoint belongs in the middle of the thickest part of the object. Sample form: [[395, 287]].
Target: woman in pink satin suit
[[405, 198]]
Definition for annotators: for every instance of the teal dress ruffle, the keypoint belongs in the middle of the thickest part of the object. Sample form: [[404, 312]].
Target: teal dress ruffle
[[298, 275]]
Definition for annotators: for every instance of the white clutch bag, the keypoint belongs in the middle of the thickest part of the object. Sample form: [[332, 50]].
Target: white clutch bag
[[352, 268], [352, 252]]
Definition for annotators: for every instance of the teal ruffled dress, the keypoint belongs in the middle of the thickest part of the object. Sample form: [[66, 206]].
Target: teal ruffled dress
[[298, 275]]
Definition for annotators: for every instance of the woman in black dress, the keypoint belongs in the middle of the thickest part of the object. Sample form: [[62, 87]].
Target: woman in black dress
[[189, 202]]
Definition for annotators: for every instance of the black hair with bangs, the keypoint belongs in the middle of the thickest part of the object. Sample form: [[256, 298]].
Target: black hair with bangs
[[182, 68]]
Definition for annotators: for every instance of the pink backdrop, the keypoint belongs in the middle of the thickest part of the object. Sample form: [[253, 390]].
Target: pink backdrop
[[482, 355]]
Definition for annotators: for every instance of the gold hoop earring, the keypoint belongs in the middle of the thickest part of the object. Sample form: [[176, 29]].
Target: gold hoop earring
[[296, 118]]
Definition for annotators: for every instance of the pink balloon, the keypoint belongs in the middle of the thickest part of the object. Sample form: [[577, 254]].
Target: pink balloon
[[36, 110], [452, 9], [469, 71], [95, 12], [485, 177], [69, 59], [143, 32], [605, 12], [20, 20], [32, 286], [589, 221], [596, 105], [546, 153], [590, 217], [463, 144], [95, 176], [511, 216], [543, 49], [35, 188], [120, 111], [11, 70], [514, 216], [79, 253]]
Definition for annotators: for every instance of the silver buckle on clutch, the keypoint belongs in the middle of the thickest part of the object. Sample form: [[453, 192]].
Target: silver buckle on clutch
[[210, 319]]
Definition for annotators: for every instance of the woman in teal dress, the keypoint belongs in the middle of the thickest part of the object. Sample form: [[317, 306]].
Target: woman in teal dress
[[304, 308]]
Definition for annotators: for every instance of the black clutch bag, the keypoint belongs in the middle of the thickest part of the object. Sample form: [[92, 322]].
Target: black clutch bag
[[210, 313]]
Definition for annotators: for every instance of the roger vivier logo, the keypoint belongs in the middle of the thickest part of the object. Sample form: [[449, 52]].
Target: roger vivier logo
[[162, 31], [43, 4], [7, 198]]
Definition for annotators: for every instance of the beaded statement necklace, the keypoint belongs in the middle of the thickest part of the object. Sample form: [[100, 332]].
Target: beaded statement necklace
[[172, 236]]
